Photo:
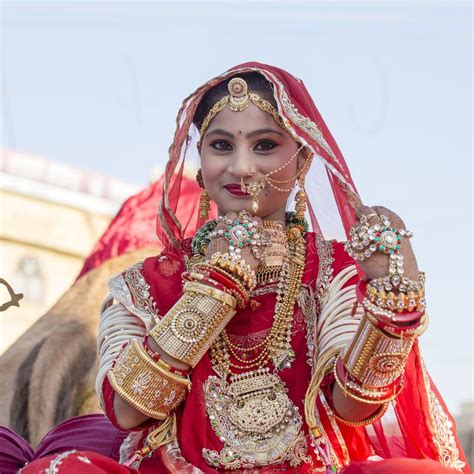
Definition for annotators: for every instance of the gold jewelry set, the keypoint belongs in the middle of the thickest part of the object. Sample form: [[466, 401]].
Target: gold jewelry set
[[238, 99], [187, 331]]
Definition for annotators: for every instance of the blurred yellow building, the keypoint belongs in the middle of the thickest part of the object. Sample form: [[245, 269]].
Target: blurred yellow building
[[51, 215]]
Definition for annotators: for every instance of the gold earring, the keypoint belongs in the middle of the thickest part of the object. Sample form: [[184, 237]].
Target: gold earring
[[301, 200], [204, 199]]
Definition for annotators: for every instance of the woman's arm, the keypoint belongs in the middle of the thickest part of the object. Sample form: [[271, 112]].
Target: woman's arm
[[350, 409], [376, 350]]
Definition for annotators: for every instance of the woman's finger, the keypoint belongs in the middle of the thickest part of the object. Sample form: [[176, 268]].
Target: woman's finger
[[369, 212], [394, 218]]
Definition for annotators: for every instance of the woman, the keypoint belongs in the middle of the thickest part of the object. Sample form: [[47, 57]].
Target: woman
[[254, 342]]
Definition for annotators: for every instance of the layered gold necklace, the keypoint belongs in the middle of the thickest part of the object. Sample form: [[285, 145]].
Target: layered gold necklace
[[252, 413]]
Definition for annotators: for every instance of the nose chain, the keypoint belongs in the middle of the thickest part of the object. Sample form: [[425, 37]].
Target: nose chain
[[256, 187]]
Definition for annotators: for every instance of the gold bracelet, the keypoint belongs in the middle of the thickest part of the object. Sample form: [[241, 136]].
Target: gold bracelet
[[189, 328], [146, 385], [214, 293], [397, 302], [368, 421], [374, 357]]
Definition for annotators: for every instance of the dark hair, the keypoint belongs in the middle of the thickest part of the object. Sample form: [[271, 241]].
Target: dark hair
[[256, 83]]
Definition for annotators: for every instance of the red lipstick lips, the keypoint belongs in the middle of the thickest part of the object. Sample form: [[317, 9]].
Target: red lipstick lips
[[235, 189]]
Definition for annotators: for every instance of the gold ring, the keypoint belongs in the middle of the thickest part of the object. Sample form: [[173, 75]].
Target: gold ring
[[374, 214]]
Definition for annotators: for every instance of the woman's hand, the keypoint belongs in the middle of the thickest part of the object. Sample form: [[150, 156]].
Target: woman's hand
[[221, 244], [376, 266]]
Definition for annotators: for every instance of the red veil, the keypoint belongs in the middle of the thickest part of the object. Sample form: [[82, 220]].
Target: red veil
[[418, 425]]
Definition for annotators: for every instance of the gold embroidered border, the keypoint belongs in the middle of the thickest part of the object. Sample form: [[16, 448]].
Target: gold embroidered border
[[140, 290], [307, 302], [319, 425], [305, 124], [325, 253], [336, 429], [443, 437]]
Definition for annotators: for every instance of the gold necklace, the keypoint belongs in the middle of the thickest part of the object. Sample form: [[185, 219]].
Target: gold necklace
[[277, 345], [252, 414]]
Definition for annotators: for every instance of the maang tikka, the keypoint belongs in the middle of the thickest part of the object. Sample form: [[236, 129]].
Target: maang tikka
[[204, 199]]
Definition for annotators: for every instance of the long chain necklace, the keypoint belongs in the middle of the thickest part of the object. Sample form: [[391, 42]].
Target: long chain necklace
[[277, 344], [252, 414]]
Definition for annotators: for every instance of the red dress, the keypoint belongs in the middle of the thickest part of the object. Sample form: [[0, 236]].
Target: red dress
[[394, 436]]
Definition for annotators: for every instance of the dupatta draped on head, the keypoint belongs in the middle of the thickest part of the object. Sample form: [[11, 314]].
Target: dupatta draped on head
[[332, 195]]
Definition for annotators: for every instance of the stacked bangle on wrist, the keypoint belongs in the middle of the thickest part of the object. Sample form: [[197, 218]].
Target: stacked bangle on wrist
[[375, 358], [355, 389], [147, 385], [233, 285], [236, 266]]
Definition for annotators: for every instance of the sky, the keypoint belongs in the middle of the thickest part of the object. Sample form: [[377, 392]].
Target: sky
[[98, 85]]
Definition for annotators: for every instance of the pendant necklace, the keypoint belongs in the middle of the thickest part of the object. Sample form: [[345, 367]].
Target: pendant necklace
[[250, 412]]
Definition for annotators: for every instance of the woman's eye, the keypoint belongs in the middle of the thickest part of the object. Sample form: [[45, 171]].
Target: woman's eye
[[265, 145], [221, 145]]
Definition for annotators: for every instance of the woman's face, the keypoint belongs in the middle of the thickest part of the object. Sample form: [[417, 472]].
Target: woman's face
[[240, 145]]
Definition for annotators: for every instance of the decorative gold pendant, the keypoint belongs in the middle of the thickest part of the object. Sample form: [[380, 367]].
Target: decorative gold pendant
[[255, 419]]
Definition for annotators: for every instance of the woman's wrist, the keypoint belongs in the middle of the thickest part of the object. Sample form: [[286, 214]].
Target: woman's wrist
[[164, 356]]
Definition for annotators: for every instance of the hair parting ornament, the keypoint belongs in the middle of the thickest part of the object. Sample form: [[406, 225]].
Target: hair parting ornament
[[238, 100]]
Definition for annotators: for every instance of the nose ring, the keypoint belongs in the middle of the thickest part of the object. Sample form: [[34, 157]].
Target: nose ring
[[254, 189]]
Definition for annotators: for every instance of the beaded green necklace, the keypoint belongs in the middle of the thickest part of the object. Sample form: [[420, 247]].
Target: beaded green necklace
[[201, 240]]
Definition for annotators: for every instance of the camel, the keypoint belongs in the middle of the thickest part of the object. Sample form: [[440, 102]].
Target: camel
[[48, 374]]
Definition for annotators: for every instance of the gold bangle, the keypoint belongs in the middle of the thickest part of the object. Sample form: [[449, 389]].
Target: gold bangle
[[214, 293], [189, 328], [402, 301], [368, 421], [145, 385], [374, 357]]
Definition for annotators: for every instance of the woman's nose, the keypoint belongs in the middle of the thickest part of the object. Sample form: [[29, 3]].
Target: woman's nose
[[242, 164]]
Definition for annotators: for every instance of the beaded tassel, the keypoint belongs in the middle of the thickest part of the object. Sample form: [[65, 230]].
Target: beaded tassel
[[204, 205], [301, 200]]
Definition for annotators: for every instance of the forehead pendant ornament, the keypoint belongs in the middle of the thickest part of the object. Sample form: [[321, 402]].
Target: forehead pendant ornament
[[239, 98]]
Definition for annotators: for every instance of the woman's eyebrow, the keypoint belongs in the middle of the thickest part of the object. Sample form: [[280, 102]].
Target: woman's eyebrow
[[220, 131], [263, 130]]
